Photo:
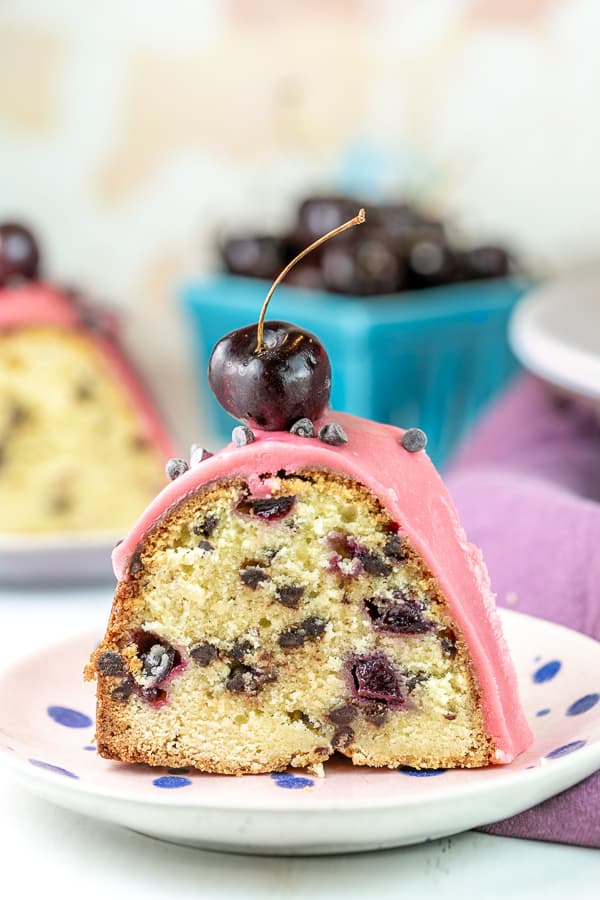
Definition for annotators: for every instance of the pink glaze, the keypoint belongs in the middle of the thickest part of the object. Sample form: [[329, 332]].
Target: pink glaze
[[410, 488], [36, 303]]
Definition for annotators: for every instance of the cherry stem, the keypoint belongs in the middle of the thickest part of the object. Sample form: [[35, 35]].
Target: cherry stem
[[358, 219]]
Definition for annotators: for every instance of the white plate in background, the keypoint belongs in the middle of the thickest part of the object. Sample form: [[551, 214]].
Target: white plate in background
[[555, 333], [53, 560]]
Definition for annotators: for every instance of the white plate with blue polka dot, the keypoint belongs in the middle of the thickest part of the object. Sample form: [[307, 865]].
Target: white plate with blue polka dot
[[47, 733]]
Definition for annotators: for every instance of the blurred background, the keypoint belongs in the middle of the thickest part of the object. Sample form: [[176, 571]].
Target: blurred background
[[133, 134]]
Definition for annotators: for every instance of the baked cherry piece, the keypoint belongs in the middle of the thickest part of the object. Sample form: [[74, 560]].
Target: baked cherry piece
[[19, 254], [271, 374]]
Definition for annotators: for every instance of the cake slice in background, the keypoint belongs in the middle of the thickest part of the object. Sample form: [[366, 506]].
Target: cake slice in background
[[81, 446]]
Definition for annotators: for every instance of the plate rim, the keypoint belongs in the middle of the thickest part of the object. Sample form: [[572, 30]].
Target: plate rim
[[590, 754], [535, 348]]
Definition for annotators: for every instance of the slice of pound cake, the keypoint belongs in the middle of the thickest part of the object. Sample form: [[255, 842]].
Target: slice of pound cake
[[81, 446], [306, 590]]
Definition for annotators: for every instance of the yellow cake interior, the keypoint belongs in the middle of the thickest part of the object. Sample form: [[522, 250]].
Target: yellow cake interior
[[264, 631], [72, 454]]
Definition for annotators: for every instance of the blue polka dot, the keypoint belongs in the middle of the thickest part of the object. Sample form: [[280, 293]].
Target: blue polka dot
[[420, 773], [583, 704], [70, 718], [565, 749], [89, 747], [547, 671], [542, 712], [171, 781], [40, 764], [292, 782]]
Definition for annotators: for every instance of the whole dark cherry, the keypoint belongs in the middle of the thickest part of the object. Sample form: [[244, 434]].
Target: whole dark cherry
[[270, 374], [19, 254], [289, 379]]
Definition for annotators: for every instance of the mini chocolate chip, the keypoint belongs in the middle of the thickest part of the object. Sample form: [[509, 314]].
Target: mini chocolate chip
[[303, 428], [289, 595], [204, 653], [415, 678], [342, 737], [242, 435], [394, 548], [375, 713], [110, 663], [448, 647], [207, 526], [342, 715], [176, 467], [240, 649], [247, 680], [124, 690], [373, 564], [60, 503], [141, 443], [198, 454], [333, 433], [84, 392], [450, 716], [294, 637], [136, 565], [206, 546], [253, 576], [18, 416], [181, 771], [414, 440]]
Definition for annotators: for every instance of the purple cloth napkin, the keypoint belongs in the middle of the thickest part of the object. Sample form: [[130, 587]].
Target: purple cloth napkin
[[529, 477]]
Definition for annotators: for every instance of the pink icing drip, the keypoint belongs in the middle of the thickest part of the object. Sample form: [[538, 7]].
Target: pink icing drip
[[410, 488], [37, 303]]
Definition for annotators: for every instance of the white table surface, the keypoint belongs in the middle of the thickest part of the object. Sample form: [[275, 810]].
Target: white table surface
[[46, 851]]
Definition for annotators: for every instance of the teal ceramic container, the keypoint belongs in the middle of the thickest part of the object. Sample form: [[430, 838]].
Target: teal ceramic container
[[431, 358]]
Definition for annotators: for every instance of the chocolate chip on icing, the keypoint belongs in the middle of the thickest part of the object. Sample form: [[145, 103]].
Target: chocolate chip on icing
[[110, 663], [253, 576], [198, 454], [242, 435], [204, 653], [333, 433], [303, 428], [176, 467], [289, 595], [414, 440]]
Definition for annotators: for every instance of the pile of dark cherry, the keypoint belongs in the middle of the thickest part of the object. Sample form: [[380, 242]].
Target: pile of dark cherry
[[398, 248]]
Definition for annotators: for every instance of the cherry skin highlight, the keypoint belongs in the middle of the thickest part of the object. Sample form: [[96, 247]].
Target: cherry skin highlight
[[19, 254], [288, 379]]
